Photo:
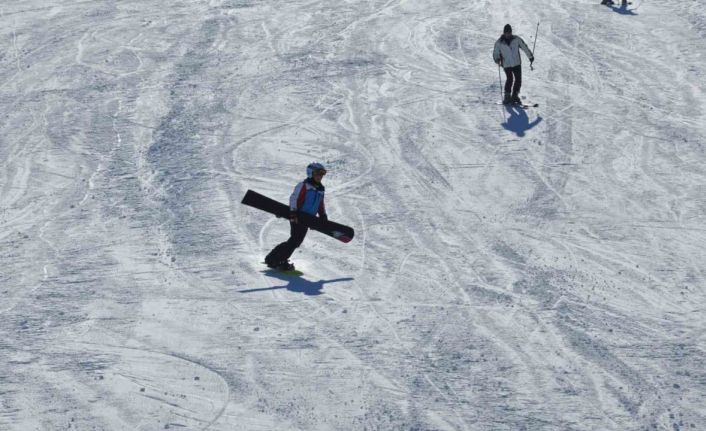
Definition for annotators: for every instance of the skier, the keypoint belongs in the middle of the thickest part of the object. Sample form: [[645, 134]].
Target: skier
[[507, 55], [308, 197]]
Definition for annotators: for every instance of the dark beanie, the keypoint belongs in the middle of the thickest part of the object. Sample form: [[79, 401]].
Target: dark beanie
[[507, 29]]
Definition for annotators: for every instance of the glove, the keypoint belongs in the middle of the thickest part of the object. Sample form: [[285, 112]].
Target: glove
[[531, 60], [323, 217], [293, 217]]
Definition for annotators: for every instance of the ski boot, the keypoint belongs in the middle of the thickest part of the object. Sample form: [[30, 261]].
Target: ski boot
[[507, 99], [515, 99]]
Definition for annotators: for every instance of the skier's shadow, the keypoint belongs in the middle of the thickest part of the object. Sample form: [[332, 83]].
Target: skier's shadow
[[518, 122], [296, 284], [623, 10]]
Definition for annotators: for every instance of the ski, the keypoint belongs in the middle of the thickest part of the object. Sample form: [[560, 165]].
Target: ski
[[520, 105], [613, 3], [341, 232]]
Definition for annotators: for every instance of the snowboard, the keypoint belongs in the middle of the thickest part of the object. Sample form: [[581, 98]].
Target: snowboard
[[339, 231], [292, 273]]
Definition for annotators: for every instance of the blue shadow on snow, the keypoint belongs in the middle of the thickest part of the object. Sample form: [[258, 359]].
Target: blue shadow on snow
[[518, 122], [296, 284], [623, 10]]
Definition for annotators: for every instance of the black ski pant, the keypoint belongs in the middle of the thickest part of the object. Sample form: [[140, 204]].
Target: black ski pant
[[514, 80], [283, 251]]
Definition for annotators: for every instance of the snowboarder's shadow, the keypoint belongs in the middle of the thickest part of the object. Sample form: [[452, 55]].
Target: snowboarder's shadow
[[296, 284], [518, 122]]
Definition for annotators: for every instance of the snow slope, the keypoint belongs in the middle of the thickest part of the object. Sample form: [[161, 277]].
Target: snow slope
[[512, 270]]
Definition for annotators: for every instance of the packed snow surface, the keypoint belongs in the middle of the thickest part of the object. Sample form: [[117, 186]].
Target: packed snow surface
[[540, 269]]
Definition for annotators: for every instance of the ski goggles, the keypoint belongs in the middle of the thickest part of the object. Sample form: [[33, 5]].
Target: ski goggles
[[321, 172]]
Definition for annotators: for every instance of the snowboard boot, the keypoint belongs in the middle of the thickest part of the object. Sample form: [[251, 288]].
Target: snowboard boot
[[285, 266], [507, 99]]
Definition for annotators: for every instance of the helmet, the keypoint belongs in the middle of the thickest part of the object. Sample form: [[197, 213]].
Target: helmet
[[314, 167]]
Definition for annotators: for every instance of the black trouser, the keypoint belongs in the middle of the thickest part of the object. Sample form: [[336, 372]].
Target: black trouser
[[513, 74], [283, 251]]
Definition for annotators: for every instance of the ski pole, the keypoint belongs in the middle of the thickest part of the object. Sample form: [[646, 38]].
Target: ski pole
[[534, 45]]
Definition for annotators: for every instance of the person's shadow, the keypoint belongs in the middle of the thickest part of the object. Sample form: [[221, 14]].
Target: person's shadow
[[296, 284], [622, 9], [518, 122]]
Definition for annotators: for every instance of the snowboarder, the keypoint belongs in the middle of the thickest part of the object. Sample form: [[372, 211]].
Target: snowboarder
[[308, 197], [507, 55]]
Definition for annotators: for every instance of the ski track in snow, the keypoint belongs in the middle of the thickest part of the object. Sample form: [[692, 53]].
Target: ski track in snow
[[537, 269]]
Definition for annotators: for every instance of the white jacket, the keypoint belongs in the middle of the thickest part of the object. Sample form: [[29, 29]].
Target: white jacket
[[509, 53]]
